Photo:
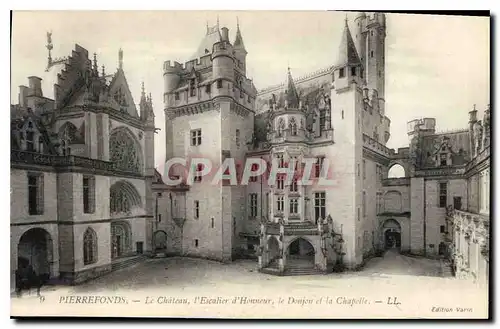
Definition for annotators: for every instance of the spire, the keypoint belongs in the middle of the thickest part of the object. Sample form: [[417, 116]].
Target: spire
[[95, 63], [291, 94], [238, 41], [347, 50], [103, 72], [143, 92], [120, 59]]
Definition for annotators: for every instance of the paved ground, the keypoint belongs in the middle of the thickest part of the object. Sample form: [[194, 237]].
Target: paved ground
[[412, 280]]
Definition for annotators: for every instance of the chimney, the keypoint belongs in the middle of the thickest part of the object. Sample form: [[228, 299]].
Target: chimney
[[23, 93], [225, 34], [35, 84]]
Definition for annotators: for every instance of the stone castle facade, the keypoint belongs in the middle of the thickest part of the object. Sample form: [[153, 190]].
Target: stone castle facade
[[70, 152], [213, 110], [81, 172]]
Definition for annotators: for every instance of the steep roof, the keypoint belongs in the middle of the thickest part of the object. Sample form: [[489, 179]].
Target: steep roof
[[238, 41], [291, 94], [347, 49], [206, 45]]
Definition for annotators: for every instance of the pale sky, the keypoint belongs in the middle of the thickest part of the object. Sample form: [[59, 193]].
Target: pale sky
[[436, 66]]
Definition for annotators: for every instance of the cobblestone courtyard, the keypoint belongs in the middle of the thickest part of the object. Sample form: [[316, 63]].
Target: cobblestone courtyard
[[409, 279]]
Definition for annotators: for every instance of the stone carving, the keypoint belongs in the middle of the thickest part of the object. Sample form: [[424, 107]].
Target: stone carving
[[123, 152]]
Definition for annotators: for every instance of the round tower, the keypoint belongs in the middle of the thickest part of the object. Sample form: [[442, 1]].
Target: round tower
[[360, 37], [171, 76], [222, 65]]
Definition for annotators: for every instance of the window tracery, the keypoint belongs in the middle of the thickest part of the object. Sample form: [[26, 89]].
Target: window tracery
[[293, 127], [89, 247], [123, 152]]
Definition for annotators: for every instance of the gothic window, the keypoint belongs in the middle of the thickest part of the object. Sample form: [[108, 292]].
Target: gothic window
[[353, 71], [69, 133], [192, 88], [253, 205], [318, 166], [30, 141], [88, 195], [281, 127], [294, 206], [219, 83], [124, 152], [319, 205], [35, 194], [89, 247], [280, 182], [177, 96], [280, 204], [443, 193], [322, 119], [281, 161], [293, 127], [294, 186], [208, 88]]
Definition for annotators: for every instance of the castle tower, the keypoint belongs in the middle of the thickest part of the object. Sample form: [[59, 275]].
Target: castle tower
[[240, 52], [346, 157], [370, 42], [209, 114]]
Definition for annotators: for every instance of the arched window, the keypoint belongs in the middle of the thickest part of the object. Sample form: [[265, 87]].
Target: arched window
[[396, 171], [293, 127], [281, 127], [68, 133], [124, 151], [89, 247], [123, 197]]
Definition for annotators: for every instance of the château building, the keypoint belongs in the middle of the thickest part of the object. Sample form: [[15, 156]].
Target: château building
[[212, 109], [81, 171]]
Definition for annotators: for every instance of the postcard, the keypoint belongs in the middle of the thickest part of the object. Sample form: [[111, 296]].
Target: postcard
[[250, 165]]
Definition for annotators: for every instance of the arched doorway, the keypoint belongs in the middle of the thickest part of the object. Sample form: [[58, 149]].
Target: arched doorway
[[392, 234], [273, 249], [160, 241], [300, 252], [124, 197], [120, 239], [35, 250]]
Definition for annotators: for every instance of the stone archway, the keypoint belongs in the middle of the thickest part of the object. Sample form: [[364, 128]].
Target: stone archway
[[121, 239], [273, 249], [391, 234], [300, 252], [35, 250], [160, 241]]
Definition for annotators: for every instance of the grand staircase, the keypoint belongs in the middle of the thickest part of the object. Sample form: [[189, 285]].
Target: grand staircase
[[293, 268], [125, 262]]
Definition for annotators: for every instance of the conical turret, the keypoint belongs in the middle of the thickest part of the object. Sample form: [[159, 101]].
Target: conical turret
[[347, 49], [291, 95]]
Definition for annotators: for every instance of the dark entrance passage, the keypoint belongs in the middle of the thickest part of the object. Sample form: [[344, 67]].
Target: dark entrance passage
[[392, 234], [300, 253]]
